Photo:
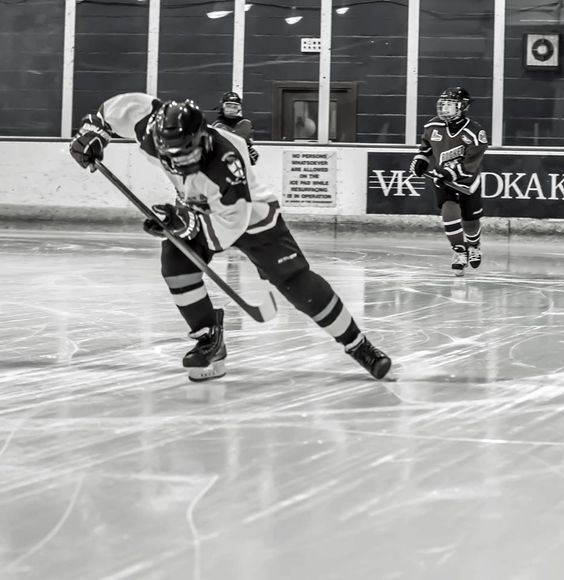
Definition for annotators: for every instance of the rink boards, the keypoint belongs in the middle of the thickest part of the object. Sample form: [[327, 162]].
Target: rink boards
[[311, 180]]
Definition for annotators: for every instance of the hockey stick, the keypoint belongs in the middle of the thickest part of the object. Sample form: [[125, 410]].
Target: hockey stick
[[261, 313], [450, 184]]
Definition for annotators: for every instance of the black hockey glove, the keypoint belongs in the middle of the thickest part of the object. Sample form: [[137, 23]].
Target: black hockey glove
[[253, 154], [418, 166], [180, 221], [440, 175], [90, 140]]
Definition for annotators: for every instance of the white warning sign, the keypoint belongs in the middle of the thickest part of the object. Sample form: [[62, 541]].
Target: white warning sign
[[309, 178]]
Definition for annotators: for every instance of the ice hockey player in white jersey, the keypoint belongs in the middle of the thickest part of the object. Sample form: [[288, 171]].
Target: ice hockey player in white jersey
[[455, 145], [219, 204]]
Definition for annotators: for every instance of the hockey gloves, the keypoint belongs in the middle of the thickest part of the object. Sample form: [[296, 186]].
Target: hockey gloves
[[180, 221], [88, 144], [442, 174], [418, 165]]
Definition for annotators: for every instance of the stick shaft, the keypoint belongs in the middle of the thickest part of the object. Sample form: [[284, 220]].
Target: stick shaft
[[450, 184], [253, 311]]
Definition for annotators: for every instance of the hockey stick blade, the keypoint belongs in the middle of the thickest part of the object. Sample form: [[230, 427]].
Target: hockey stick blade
[[450, 184], [261, 313]]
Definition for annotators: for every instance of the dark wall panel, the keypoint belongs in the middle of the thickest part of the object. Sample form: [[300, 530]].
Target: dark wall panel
[[195, 60], [533, 104], [456, 49], [110, 51], [195, 53], [370, 47], [31, 67], [273, 53]]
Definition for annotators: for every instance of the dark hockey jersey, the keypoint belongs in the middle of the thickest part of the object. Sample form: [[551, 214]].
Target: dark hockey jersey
[[225, 192], [460, 153], [238, 125]]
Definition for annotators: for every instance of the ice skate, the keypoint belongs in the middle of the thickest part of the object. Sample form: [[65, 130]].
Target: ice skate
[[372, 359], [207, 359], [474, 256], [459, 260]]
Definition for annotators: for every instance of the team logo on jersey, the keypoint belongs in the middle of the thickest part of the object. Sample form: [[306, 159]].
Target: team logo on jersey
[[235, 167], [482, 137], [451, 154], [436, 136], [466, 139], [287, 258]]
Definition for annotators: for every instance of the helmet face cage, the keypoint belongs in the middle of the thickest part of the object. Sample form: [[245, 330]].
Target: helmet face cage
[[452, 104], [231, 109], [180, 136], [231, 104]]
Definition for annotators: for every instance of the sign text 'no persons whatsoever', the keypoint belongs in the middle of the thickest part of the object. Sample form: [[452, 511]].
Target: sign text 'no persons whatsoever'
[[309, 178]]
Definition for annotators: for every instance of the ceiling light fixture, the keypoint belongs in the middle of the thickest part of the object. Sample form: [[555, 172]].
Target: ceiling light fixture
[[218, 14], [293, 18]]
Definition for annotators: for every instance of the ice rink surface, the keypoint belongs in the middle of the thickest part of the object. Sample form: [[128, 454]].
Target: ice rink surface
[[296, 465]]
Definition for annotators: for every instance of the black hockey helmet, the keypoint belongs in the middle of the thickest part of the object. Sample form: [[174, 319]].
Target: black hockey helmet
[[231, 104], [180, 133], [231, 97], [452, 104]]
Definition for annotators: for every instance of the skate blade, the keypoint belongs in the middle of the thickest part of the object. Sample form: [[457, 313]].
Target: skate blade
[[215, 370], [458, 273]]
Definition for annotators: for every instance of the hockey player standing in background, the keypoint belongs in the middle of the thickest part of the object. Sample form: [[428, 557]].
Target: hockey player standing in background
[[219, 204], [456, 145], [231, 118]]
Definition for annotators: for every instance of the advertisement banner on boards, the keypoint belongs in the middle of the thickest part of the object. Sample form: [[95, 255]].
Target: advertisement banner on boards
[[513, 185]]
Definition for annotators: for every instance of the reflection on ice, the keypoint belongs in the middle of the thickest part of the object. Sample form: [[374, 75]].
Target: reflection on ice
[[296, 464]]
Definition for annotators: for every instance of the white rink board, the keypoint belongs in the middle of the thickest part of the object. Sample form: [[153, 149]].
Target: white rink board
[[41, 173], [39, 179], [44, 174]]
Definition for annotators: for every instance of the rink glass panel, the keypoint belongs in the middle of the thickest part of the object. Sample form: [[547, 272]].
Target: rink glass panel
[[456, 49], [369, 43], [31, 68], [195, 52], [273, 53], [110, 52], [369, 47], [533, 104]]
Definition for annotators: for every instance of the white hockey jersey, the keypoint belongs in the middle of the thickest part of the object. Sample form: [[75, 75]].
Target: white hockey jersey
[[225, 192]]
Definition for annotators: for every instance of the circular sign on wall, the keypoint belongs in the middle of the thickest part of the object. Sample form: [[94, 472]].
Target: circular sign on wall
[[542, 51]]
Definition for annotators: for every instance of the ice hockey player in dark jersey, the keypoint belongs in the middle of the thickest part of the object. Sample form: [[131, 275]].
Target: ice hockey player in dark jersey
[[455, 145], [219, 204], [231, 118]]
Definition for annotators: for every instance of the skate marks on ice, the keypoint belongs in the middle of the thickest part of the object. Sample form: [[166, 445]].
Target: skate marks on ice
[[296, 464]]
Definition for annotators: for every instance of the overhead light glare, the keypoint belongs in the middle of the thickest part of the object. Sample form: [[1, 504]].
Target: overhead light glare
[[218, 14], [342, 10], [293, 19], [248, 7]]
